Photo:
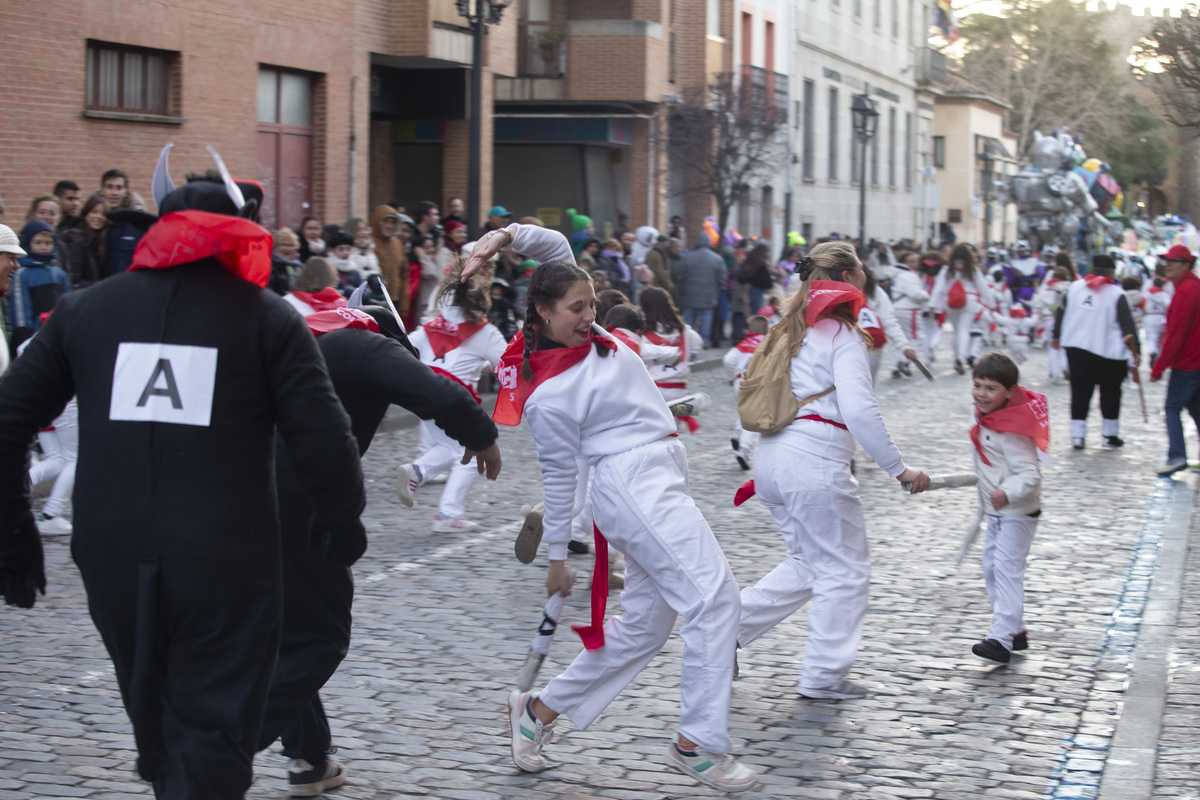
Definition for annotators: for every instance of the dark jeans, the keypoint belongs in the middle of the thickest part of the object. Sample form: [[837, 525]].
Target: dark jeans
[[1088, 371], [1183, 391]]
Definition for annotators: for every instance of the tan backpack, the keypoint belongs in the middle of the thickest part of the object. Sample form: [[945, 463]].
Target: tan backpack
[[766, 403]]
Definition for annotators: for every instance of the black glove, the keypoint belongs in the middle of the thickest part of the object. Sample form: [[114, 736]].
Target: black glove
[[22, 571], [338, 544]]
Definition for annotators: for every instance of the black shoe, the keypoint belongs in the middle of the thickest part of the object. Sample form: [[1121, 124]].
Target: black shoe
[[906, 369], [1077, 443], [991, 650], [578, 548], [1112, 442], [742, 462], [970, 361], [736, 444], [958, 366], [309, 780], [897, 374], [1021, 641]]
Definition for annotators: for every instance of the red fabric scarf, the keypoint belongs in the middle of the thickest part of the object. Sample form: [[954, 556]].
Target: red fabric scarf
[[630, 342], [545, 364], [676, 339], [327, 299], [445, 335], [326, 321], [1025, 413], [181, 237], [593, 634], [823, 296], [1095, 282], [751, 342]]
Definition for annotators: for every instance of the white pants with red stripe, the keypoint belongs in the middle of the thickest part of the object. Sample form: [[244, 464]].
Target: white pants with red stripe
[[673, 566], [1005, 549], [914, 328], [60, 447], [445, 454], [815, 503]]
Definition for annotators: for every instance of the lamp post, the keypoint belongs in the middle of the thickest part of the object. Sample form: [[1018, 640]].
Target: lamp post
[[862, 109], [987, 165], [487, 12]]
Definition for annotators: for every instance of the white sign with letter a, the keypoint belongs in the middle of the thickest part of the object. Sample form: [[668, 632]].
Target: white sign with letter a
[[163, 383]]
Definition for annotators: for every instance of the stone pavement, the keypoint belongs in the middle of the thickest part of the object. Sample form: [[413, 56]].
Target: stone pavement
[[442, 623]]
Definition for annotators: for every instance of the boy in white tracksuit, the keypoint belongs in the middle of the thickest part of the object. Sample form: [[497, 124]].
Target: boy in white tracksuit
[[1158, 299], [909, 299], [735, 361], [1012, 424], [586, 395]]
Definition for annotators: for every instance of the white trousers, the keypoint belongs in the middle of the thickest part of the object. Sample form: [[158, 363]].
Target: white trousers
[[962, 319], [61, 448], [933, 336], [815, 503], [1058, 361], [914, 325], [445, 454], [673, 566], [1154, 324], [1005, 549]]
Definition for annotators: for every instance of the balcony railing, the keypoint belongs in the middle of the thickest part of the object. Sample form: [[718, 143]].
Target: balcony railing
[[764, 94]]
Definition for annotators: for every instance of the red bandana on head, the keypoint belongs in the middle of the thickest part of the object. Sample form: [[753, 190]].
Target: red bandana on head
[[1097, 281], [325, 300], [751, 342], [823, 296], [545, 364], [326, 321], [445, 335], [1025, 413], [181, 237]]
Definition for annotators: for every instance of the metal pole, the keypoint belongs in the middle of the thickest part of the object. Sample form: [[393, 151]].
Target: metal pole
[[862, 197], [476, 127]]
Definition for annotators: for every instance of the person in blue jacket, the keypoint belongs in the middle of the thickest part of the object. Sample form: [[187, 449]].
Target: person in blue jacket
[[38, 283]]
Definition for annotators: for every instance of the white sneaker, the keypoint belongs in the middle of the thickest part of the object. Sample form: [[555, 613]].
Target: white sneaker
[[842, 690], [529, 734], [55, 526], [718, 770], [441, 477], [453, 525], [407, 483]]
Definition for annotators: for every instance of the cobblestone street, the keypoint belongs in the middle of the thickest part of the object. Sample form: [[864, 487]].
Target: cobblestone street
[[442, 623]]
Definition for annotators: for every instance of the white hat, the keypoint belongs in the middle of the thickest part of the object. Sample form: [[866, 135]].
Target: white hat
[[9, 243], [469, 246]]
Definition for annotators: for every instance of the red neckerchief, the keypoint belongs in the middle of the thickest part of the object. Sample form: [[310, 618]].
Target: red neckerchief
[[338, 318], [460, 382], [545, 364], [824, 295], [751, 342], [1025, 413], [1096, 281], [1155, 289], [327, 299], [1054, 282], [445, 335], [243, 247], [628, 338], [676, 339]]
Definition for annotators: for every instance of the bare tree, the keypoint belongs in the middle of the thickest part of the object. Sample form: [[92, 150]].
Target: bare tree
[[1168, 60], [729, 136]]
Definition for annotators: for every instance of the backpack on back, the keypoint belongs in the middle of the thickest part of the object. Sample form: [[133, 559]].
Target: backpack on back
[[766, 403], [957, 297]]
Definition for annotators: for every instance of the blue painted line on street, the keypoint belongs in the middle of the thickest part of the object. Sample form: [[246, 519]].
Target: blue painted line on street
[[1076, 774]]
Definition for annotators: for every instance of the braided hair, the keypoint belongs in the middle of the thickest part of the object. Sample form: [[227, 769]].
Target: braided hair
[[828, 261], [549, 284]]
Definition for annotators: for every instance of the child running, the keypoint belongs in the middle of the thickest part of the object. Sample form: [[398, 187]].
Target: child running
[[735, 362], [586, 394], [456, 344], [1011, 425], [802, 474], [664, 327]]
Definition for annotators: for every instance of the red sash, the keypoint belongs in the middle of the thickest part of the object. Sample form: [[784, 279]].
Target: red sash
[[467, 386], [243, 247], [670, 340], [593, 634], [746, 490], [545, 364], [325, 300], [445, 335], [624, 335], [326, 321], [750, 343], [1026, 413]]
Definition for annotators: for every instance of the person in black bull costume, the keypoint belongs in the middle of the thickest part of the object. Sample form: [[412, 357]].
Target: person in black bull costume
[[369, 372], [183, 367]]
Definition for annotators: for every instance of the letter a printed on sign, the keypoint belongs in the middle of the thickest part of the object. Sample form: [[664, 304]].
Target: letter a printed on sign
[[163, 383]]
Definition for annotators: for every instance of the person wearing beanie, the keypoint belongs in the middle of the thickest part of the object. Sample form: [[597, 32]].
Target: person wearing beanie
[[1180, 354], [10, 251], [38, 284], [581, 227], [340, 245]]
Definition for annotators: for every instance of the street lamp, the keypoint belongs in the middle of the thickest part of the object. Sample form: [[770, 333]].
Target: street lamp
[[487, 12], [862, 109]]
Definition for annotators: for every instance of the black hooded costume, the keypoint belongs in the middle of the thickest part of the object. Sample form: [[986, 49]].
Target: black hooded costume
[[370, 372], [183, 368]]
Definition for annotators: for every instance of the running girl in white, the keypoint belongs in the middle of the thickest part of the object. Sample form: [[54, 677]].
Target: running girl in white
[[962, 293], [665, 328]]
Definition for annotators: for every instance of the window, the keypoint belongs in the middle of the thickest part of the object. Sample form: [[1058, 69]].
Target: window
[[131, 80], [891, 153], [939, 151], [954, 215], [877, 14], [806, 159], [833, 134], [858, 9], [747, 38], [712, 17], [895, 19], [285, 146], [855, 146], [766, 211], [908, 176]]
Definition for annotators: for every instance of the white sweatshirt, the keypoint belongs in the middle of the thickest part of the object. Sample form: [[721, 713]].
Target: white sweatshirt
[[652, 354], [835, 355], [908, 290], [1090, 321], [600, 406], [688, 342], [1157, 302], [975, 286], [466, 361], [543, 245], [1014, 470], [881, 304]]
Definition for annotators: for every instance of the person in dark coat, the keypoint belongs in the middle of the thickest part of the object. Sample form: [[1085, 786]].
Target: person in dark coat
[[183, 367], [699, 286], [370, 372]]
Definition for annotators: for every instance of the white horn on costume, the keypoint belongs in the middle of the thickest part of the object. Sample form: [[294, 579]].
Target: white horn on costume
[[235, 194], [162, 185]]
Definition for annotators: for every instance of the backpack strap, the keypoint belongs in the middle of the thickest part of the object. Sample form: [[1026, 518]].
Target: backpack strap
[[816, 396]]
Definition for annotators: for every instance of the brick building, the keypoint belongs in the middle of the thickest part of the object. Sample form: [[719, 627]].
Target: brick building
[[338, 105]]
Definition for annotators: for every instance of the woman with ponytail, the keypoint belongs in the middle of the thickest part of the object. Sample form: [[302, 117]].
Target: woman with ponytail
[[802, 474], [589, 400], [962, 292], [665, 328]]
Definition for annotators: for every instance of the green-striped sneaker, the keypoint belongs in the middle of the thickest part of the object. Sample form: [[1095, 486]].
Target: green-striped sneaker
[[718, 770], [529, 735]]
